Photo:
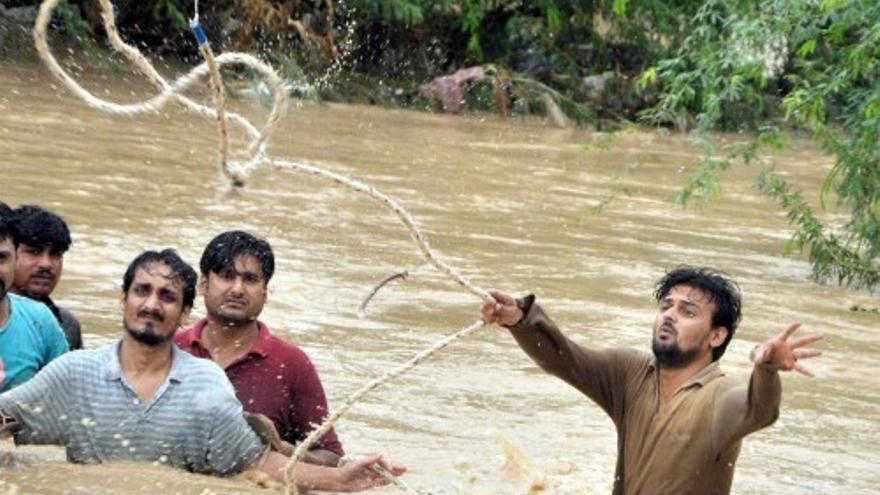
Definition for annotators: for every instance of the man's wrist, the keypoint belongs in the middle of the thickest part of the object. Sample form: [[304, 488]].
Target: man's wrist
[[8, 424]]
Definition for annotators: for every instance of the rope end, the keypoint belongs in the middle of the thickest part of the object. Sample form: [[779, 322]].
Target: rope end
[[198, 31]]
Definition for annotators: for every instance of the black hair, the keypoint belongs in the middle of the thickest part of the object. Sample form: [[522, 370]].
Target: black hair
[[180, 270], [722, 291], [221, 252], [38, 227], [5, 210], [6, 231]]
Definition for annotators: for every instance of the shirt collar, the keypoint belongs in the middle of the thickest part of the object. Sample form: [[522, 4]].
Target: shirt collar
[[701, 378], [113, 368], [261, 346]]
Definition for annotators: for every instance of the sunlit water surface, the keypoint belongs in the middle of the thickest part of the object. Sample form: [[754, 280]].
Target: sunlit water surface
[[511, 205]]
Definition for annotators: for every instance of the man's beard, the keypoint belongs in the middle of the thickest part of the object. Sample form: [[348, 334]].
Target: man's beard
[[147, 335], [671, 355], [3, 289]]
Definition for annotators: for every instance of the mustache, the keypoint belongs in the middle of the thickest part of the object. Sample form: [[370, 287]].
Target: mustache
[[154, 314], [44, 271], [668, 326]]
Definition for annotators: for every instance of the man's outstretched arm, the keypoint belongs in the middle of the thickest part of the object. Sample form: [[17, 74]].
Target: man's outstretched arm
[[750, 408], [354, 476], [599, 374]]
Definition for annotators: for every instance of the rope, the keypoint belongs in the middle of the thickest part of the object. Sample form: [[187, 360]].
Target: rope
[[362, 309], [256, 149], [239, 173], [219, 98], [331, 420]]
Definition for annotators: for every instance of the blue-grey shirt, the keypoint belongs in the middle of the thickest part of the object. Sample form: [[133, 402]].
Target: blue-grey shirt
[[82, 400]]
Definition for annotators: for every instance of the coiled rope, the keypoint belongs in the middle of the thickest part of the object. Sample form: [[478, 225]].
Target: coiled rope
[[238, 173]]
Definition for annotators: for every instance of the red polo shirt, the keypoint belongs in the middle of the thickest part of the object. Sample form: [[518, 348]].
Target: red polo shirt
[[274, 378]]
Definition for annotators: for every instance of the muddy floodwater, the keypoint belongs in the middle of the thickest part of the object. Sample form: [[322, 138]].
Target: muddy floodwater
[[511, 204]]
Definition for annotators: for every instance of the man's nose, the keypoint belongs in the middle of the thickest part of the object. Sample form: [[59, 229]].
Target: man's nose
[[151, 303], [44, 260], [237, 285]]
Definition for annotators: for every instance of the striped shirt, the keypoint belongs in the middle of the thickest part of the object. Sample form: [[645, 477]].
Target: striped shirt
[[83, 401]]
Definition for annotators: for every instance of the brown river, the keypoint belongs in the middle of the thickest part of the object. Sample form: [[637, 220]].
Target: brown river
[[508, 203]]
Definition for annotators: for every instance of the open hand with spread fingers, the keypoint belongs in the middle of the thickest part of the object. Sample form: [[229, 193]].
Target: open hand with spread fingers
[[783, 353]]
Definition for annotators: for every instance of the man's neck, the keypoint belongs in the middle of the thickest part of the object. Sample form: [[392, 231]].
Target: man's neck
[[5, 310], [146, 367], [137, 359], [671, 378], [228, 341]]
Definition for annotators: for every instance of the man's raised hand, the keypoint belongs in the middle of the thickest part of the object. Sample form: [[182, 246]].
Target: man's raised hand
[[503, 312], [780, 353]]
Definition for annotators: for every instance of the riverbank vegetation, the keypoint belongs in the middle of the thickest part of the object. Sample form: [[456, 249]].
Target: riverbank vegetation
[[776, 69]]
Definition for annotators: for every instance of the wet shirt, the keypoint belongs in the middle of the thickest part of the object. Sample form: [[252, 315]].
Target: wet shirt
[[84, 402], [687, 446], [29, 340], [68, 323], [276, 379]]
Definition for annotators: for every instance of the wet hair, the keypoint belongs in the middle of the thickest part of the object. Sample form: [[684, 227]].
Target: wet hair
[[180, 270], [6, 224], [221, 252], [6, 229], [720, 290], [38, 227]]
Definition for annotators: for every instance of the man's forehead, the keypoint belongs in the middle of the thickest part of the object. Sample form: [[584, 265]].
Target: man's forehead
[[157, 273], [6, 244], [247, 263], [24, 246], [690, 294]]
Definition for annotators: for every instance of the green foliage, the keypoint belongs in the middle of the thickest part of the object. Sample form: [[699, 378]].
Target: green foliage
[[75, 24], [403, 12], [814, 66], [174, 11]]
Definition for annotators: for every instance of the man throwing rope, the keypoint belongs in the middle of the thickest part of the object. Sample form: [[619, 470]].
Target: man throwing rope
[[680, 421], [142, 398]]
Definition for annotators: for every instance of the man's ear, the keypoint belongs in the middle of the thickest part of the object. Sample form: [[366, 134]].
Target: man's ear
[[203, 284], [717, 336]]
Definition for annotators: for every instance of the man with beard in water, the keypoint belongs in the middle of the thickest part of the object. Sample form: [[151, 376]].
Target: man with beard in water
[[29, 335], [142, 398], [680, 421], [43, 238]]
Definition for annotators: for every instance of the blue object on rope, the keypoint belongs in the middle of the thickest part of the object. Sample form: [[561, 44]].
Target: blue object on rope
[[198, 32]]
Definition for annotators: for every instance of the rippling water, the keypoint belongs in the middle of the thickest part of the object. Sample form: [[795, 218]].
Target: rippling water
[[511, 204]]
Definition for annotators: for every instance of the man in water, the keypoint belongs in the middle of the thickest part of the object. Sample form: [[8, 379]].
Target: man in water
[[680, 421], [142, 398], [43, 238], [270, 376], [29, 335]]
